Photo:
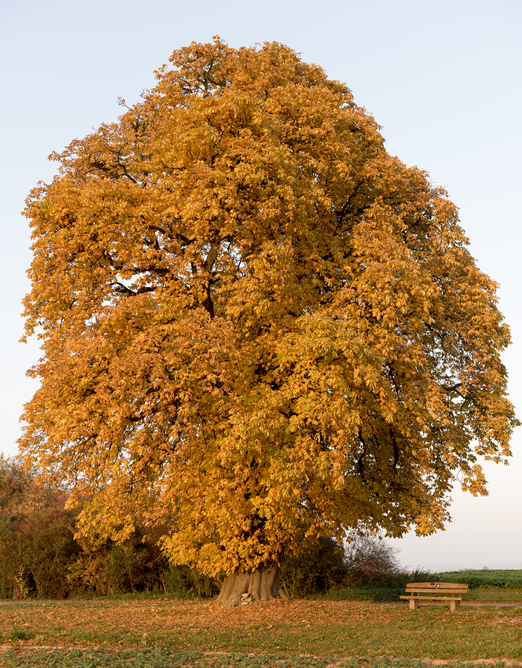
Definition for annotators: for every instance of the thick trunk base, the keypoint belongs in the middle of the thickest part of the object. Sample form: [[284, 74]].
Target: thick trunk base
[[247, 588]]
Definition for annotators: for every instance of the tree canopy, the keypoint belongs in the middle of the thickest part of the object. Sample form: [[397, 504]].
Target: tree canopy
[[258, 327]]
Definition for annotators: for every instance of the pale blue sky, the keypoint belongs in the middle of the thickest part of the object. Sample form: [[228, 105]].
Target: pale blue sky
[[443, 79]]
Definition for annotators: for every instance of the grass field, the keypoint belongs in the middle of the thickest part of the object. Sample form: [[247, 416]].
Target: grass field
[[157, 633], [502, 579], [161, 658], [147, 631]]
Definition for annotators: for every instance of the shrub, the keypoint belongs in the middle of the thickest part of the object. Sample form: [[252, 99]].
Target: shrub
[[188, 582], [36, 537], [317, 570], [369, 558], [388, 587]]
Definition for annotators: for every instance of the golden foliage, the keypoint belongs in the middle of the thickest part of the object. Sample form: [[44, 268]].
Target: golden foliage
[[257, 325]]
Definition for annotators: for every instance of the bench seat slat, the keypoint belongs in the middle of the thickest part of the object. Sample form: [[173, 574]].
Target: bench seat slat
[[434, 598], [430, 591], [436, 586]]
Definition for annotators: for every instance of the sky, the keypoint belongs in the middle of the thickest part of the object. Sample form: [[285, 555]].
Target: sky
[[443, 79]]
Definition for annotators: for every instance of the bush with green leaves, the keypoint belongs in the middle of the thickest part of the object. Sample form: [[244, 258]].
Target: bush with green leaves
[[36, 536], [384, 588], [188, 582], [317, 570]]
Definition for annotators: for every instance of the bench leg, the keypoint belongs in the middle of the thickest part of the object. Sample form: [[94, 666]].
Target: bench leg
[[414, 603], [453, 605]]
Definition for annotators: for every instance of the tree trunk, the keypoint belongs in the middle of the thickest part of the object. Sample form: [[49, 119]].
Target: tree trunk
[[246, 588]]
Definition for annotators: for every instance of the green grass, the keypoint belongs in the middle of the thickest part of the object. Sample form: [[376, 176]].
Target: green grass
[[150, 596], [367, 592], [494, 595], [156, 631], [383, 593], [20, 634], [164, 658], [317, 628], [506, 579]]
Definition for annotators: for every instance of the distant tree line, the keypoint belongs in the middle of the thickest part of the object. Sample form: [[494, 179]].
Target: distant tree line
[[40, 557]]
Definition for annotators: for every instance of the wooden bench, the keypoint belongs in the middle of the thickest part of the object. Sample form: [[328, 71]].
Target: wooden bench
[[435, 591]]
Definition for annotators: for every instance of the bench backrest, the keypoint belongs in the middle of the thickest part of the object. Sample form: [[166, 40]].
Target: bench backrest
[[436, 588]]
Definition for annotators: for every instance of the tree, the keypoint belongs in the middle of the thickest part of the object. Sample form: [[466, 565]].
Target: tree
[[258, 326]]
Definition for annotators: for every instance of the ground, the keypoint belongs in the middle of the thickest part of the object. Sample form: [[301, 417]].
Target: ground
[[289, 634]]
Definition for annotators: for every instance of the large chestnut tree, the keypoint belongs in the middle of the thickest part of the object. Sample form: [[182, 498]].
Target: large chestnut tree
[[258, 327]]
